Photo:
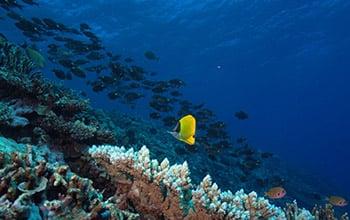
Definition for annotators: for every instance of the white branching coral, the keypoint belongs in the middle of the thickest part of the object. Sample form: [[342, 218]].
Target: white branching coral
[[158, 190]]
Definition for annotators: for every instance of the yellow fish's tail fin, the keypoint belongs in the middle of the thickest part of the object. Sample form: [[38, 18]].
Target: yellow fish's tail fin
[[174, 134], [191, 140]]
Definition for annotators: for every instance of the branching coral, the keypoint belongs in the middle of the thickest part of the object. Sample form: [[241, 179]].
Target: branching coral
[[327, 212], [293, 212], [13, 58], [162, 191], [28, 183]]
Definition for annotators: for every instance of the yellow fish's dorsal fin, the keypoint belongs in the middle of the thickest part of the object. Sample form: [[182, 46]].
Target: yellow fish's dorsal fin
[[187, 129]]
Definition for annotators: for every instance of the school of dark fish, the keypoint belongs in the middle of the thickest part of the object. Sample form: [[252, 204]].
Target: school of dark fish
[[78, 53]]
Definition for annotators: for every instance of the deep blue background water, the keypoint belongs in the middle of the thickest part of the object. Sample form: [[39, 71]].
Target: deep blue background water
[[285, 62]]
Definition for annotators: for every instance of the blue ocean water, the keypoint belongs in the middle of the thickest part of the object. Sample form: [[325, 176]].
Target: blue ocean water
[[285, 63]]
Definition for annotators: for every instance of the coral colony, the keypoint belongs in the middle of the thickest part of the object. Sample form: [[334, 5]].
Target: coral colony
[[45, 124]]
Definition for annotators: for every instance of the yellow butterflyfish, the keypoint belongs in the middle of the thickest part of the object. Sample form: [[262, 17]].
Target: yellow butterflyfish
[[185, 130]]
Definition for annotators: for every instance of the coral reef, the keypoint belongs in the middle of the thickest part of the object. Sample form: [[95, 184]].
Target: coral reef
[[293, 212], [35, 185], [235, 169], [158, 190], [33, 108]]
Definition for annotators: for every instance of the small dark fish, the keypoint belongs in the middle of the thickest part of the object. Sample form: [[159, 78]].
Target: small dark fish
[[162, 99], [98, 86], [27, 26], [76, 70], [161, 87], [114, 95], [91, 36], [50, 24], [204, 113], [30, 2], [95, 45], [59, 38], [176, 83], [218, 124], [94, 56], [128, 60], [84, 27], [107, 79], [134, 85], [118, 71], [175, 93], [7, 4], [223, 144], [137, 73], [73, 31], [98, 69], [148, 83], [151, 56], [37, 21], [132, 96], [241, 115], [15, 16], [154, 115], [59, 74], [66, 63], [81, 62], [160, 106]]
